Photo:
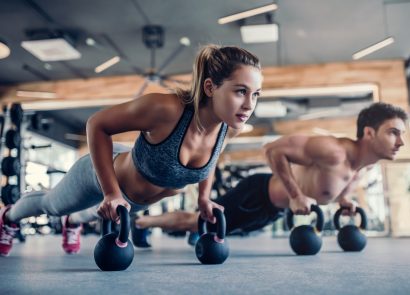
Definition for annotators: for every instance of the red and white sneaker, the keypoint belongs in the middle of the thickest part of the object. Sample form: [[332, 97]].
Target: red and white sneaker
[[7, 233], [71, 237]]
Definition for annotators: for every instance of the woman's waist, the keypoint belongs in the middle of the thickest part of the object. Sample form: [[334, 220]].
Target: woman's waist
[[136, 186]]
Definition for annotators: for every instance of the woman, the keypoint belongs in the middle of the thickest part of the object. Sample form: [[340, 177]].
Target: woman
[[182, 135]]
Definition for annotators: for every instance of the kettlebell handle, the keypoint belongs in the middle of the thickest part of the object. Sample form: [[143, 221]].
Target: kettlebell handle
[[363, 223], [220, 224], [124, 224], [314, 208]]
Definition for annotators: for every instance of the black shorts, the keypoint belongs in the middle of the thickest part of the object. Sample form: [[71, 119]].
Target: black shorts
[[247, 205]]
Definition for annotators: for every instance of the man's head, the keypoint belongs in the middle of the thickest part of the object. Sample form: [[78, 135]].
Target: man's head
[[383, 125]]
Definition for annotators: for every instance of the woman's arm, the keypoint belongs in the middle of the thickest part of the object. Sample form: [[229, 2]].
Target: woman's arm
[[143, 114], [205, 205]]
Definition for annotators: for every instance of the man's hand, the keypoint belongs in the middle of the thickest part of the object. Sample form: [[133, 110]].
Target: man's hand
[[301, 204], [205, 208]]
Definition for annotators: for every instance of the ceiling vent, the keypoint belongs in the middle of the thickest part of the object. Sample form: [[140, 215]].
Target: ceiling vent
[[51, 45]]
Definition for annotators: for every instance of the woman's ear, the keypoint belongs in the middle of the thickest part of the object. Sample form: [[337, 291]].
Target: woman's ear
[[208, 87]]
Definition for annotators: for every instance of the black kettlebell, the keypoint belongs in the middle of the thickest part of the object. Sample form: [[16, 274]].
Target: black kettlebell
[[114, 252], [211, 247], [306, 239], [351, 237]]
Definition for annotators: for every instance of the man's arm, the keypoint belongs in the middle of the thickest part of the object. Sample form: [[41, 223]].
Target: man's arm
[[344, 198], [302, 150]]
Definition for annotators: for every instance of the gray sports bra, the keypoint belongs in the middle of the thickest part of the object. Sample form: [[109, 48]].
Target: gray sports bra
[[159, 163]]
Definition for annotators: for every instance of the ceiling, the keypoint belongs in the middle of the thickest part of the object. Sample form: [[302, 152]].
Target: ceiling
[[310, 32]]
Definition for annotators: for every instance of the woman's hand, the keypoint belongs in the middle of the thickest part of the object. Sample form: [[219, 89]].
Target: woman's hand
[[205, 208], [108, 207]]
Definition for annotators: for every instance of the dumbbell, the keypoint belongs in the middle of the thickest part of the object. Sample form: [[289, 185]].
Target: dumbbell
[[306, 239], [16, 114], [10, 166], [351, 237], [10, 193], [13, 139]]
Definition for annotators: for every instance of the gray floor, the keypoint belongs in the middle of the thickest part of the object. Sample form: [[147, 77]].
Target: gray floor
[[257, 265]]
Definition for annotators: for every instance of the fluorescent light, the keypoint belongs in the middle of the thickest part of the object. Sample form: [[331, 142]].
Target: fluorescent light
[[324, 91], [253, 139], [270, 109], [373, 48], [72, 104], [259, 33], [248, 13], [107, 64], [36, 94], [322, 113], [4, 50]]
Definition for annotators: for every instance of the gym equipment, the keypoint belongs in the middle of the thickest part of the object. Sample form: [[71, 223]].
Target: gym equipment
[[193, 238], [112, 252], [211, 247], [13, 139], [39, 123], [139, 236], [351, 237], [10, 193], [16, 114], [306, 239], [10, 166]]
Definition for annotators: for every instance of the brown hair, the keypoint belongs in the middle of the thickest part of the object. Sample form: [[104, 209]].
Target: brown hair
[[375, 115], [217, 63]]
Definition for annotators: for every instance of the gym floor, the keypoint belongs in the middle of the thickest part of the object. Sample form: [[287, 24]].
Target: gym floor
[[257, 265]]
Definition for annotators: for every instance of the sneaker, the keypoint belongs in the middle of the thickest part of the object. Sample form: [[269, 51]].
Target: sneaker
[[7, 233], [139, 237], [71, 237], [193, 238]]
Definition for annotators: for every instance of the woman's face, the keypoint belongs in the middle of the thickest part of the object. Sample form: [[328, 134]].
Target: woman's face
[[235, 100]]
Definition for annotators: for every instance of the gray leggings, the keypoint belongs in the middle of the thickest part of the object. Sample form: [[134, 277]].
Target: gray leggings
[[78, 191]]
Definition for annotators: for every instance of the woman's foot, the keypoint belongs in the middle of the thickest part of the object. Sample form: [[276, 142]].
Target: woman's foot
[[7, 232], [71, 236]]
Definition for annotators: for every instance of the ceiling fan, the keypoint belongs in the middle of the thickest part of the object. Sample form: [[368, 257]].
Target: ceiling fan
[[153, 38]]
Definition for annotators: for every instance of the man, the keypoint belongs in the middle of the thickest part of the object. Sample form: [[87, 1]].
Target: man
[[306, 170]]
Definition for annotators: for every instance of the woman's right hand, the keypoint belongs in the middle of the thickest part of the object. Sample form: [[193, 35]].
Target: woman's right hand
[[108, 207], [205, 209]]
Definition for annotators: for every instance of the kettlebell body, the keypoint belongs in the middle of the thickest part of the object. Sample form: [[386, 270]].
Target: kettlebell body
[[211, 247], [115, 252], [351, 238], [306, 239]]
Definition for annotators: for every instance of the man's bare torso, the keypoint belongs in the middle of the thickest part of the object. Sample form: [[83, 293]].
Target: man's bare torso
[[322, 182]]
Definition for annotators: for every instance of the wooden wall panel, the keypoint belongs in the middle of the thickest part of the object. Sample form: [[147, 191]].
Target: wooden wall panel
[[389, 75]]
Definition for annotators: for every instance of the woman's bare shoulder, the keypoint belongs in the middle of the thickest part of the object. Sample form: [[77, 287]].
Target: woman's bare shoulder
[[165, 106]]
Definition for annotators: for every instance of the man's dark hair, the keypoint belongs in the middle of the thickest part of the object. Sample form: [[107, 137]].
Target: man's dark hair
[[374, 116]]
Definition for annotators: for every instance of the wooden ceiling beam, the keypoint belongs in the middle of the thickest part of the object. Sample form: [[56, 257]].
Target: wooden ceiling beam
[[81, 92]]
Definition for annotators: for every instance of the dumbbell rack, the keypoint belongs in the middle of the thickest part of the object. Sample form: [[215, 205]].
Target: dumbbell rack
[[11, 164]]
